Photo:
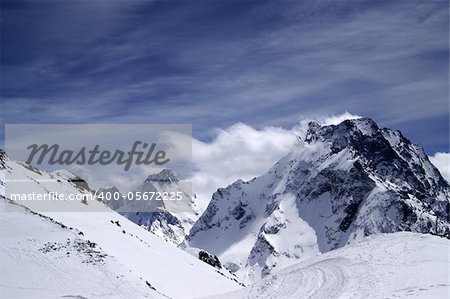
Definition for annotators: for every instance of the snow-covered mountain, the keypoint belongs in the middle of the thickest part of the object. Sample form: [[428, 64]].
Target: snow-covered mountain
[[340, 183], [398, 265], [90, 253], [171, 223]]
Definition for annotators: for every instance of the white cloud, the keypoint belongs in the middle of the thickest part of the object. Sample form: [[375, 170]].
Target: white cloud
[[336, 119], [442, 163], [242, 152]]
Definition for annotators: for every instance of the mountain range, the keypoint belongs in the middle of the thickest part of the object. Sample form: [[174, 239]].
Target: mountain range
[[353, 210]]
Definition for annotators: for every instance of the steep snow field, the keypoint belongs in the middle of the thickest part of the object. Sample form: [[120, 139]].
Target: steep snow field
[[40, 259], [44, 256], [399, 265]]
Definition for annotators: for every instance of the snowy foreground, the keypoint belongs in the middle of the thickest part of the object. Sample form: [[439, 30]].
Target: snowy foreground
[[91, 253], [40, 259], [400, 265], [90, 257]]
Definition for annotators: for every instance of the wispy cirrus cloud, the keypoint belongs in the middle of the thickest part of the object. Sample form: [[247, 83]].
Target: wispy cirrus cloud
[[216, 63]]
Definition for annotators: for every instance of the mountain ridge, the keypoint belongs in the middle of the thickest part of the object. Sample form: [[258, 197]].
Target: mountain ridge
[[341, 183]]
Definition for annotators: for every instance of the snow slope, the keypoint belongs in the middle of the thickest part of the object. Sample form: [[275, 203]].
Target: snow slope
[[128, 248], [399, 265], [41, 259]]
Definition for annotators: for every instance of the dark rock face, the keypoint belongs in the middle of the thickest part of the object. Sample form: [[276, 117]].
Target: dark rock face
[[209, 259], [164, 176], [80, 183], [2, 159]]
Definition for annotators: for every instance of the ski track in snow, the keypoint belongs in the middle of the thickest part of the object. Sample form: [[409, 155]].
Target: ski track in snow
[[400, 265], [321, 280]]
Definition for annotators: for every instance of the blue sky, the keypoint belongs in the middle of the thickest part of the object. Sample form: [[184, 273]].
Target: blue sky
[[216, 63]]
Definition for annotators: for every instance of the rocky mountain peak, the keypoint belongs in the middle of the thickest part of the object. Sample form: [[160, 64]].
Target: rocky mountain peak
[[164, 176], [346, 181], [351, 128], [382, 152]]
